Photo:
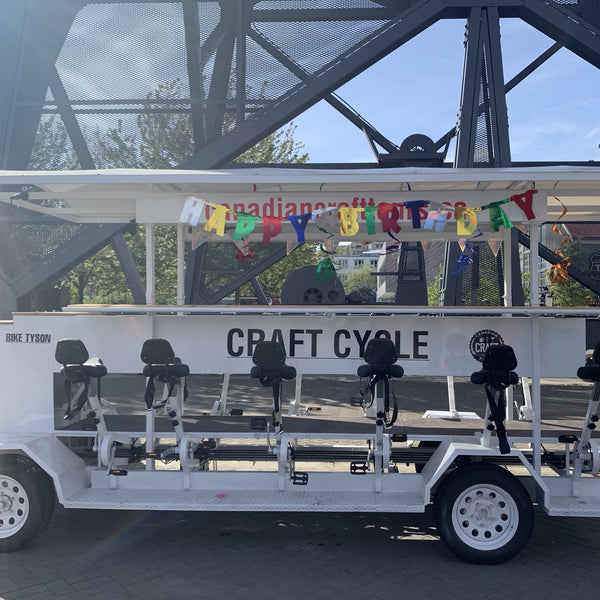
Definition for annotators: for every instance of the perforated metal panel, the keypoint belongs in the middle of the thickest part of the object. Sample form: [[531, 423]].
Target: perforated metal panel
[[482, 282]]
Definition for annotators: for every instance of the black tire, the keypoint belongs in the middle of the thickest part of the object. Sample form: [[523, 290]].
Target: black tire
[[483, 513], [49, 500], [25, 502]]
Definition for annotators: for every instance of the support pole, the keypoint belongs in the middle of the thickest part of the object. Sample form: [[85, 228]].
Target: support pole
[[150, 292], [180, 263]]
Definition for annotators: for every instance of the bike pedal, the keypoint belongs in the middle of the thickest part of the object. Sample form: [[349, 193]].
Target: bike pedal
[[258, 423], [299, 478], [359, 468], [118, 472]]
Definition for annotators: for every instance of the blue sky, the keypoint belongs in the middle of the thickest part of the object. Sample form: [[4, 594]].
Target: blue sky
[[554, 114]]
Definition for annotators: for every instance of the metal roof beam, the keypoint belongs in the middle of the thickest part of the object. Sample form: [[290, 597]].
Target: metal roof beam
[[562, 26], [389, 37]]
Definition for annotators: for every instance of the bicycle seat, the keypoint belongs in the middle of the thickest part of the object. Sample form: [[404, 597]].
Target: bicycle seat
[[591, 372], [77, 364], [498, 364], [380, 356]]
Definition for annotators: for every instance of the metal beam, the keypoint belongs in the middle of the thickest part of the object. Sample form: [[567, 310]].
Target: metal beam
[[134, 281], [367, 52], [65, 259], [218, 89], [553, 258], [194, 70], [36, 30], [518, 78], [483, 78], [70, 120], [195, 265], [558, 23], [332, 99]]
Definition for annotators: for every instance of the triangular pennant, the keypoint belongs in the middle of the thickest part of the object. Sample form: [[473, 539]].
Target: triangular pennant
[[495, 246], [199, 236]]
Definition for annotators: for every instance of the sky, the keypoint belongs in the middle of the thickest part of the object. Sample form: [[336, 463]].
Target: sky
[[554, 114]]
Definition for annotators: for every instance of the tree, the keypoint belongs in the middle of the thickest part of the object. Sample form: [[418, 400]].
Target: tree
[[161, 140], [569, 292]]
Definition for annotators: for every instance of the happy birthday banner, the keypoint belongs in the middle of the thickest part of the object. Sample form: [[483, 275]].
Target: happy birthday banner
[[362, 216]]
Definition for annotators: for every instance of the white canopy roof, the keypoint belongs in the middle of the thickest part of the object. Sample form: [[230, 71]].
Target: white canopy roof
[[157, 196]]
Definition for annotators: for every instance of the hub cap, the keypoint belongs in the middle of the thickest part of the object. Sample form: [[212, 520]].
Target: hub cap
[[14, 506], [485, 517]]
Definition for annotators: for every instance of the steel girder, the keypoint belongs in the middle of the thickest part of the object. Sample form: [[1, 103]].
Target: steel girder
[[397, 31], [483, 100], [31, 36]]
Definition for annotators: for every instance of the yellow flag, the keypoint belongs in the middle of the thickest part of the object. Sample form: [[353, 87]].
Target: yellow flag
[[463, 228], [348, 220], [217, 219]]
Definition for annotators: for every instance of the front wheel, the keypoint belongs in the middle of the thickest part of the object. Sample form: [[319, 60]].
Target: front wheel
[[483, 513], [24, 502]]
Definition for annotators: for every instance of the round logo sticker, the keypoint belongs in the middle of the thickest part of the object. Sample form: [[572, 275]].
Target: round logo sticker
[[481, 341]]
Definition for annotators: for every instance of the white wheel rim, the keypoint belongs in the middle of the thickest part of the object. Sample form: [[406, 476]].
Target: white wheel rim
[[14, 506], [485, 517]]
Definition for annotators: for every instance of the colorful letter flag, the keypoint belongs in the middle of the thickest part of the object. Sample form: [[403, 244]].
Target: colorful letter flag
[[463, 228], [348, 220], [525, 201], [299, 224], [498, 217], [414, 206], [217, 219], [437, 218], [389, 215], [192, 211], [271, 228], [245, 225], [370, 216]]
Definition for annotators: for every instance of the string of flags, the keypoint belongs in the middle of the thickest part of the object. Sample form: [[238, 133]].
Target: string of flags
[[348, 221]]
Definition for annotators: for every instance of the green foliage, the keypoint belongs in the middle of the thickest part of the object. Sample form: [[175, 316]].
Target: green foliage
[[570, 292], [434, 292], [359, 280], [52, 150], [161, 140]]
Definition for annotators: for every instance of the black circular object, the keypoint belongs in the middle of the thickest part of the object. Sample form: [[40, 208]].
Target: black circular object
[[304, 287]]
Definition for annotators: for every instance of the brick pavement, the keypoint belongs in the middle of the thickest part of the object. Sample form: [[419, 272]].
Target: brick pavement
[[101, 555]]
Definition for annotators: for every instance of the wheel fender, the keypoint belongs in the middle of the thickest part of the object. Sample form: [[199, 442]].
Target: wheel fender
[[66, 469], [453, 448]]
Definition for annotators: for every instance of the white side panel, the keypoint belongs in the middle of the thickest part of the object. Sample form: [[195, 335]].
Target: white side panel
[[66, 469], [215, 343]]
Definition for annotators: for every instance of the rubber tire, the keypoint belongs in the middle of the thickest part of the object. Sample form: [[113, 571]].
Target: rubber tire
[[21, 482], [506, 502], [49, 501]]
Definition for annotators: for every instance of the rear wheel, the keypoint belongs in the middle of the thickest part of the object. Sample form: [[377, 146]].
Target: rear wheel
[[483, 513], [26, 501]]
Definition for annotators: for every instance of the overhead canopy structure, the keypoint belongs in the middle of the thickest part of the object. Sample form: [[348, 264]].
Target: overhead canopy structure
[[159, 196]]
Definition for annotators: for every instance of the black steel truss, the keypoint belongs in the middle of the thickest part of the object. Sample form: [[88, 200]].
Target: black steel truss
[[224, 40]]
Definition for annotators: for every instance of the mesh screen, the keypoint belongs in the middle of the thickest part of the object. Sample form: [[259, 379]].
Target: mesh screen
[[24, 246], [124, 67], [482, 282], [588, 10], [484, 155]]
